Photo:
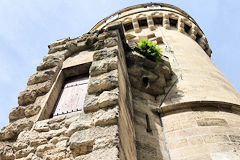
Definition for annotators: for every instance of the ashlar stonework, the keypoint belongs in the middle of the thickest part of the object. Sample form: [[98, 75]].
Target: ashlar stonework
[[179, 108]]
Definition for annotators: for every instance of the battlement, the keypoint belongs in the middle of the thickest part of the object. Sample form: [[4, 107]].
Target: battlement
[[151, 17]]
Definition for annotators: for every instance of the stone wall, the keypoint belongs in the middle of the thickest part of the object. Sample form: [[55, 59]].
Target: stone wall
[[203, 131], [103, 130], [149, 80]]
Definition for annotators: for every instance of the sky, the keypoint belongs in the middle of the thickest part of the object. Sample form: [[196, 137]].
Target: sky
[[27, 27]]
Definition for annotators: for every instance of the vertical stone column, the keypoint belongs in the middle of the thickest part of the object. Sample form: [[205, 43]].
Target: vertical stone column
[[136, 25], [150, 22], [193, 32], [181, 25]]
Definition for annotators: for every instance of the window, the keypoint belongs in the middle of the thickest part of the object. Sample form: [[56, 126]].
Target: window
[[143, 23], [187, 28], [128, 26], [198, 37], [71, 98], [173, 22], [157, 20]]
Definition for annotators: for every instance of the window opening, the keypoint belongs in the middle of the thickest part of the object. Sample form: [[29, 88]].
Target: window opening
[[173, 22], [128, 26], [145, 81], [157, 20], [143, 23], [71, 98], [148, 124], [198, 37], [187, 28]]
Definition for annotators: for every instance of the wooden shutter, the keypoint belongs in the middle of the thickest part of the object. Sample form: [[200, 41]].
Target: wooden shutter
[[72, 96]]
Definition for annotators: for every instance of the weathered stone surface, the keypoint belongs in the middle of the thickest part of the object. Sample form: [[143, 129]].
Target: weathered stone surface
[[40, 77], [52, 133], [101, 154], [57, 48], [32, 110], [24, 152], [103, 82], [91, 102], [44, 147], [13, 129], [41, 126], [59, 42], [17, 113], [20, 145], [41, 88], [50, 63], [234, 138], [83, 122], [82, 142], [105, 99], [38, 142], [26, 136], [111, 42], [103, 66], [26, 97], [103, 54], [6, 153], [106, 117], [212, 122]]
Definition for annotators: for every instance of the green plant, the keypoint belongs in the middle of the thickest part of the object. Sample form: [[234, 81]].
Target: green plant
[[149, 50]]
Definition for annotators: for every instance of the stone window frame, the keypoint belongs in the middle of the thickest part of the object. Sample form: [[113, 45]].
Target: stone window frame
[[56, 88], [126, 23]]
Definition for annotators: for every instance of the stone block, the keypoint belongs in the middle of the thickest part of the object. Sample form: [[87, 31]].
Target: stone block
[[103, 54], [41, 76], [215, 138], [57, 48], [24, 152], [103, 82], [11, 131], [45, 147], [52, 133], [17, 113], [105, 99], [81, 123], [108, 117], [103, 66], [178, 144], [50, 63], [20, 145], [27, 97], [7, 153], [195, 140], [37, 142], [212, 122], [41, 88], [58, 42], [111, 42], [41, 126], [234, 138], [81, 142], [101, 154], [31, 110]]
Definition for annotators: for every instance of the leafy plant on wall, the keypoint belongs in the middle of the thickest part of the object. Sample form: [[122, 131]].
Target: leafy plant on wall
[[149, 50]]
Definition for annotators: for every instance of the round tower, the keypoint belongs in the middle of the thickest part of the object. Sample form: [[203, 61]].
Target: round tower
[[95, 97], [197, 116]]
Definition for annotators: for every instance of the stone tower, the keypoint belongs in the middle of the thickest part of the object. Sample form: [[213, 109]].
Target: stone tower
[[94, 98]]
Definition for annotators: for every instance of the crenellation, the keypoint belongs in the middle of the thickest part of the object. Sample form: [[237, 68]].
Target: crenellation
[[166, 22]]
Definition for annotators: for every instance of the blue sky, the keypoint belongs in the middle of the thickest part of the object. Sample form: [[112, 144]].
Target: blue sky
[[27, 27]]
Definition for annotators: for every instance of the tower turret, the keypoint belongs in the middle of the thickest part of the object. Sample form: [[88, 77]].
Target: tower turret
[[95, 97]]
